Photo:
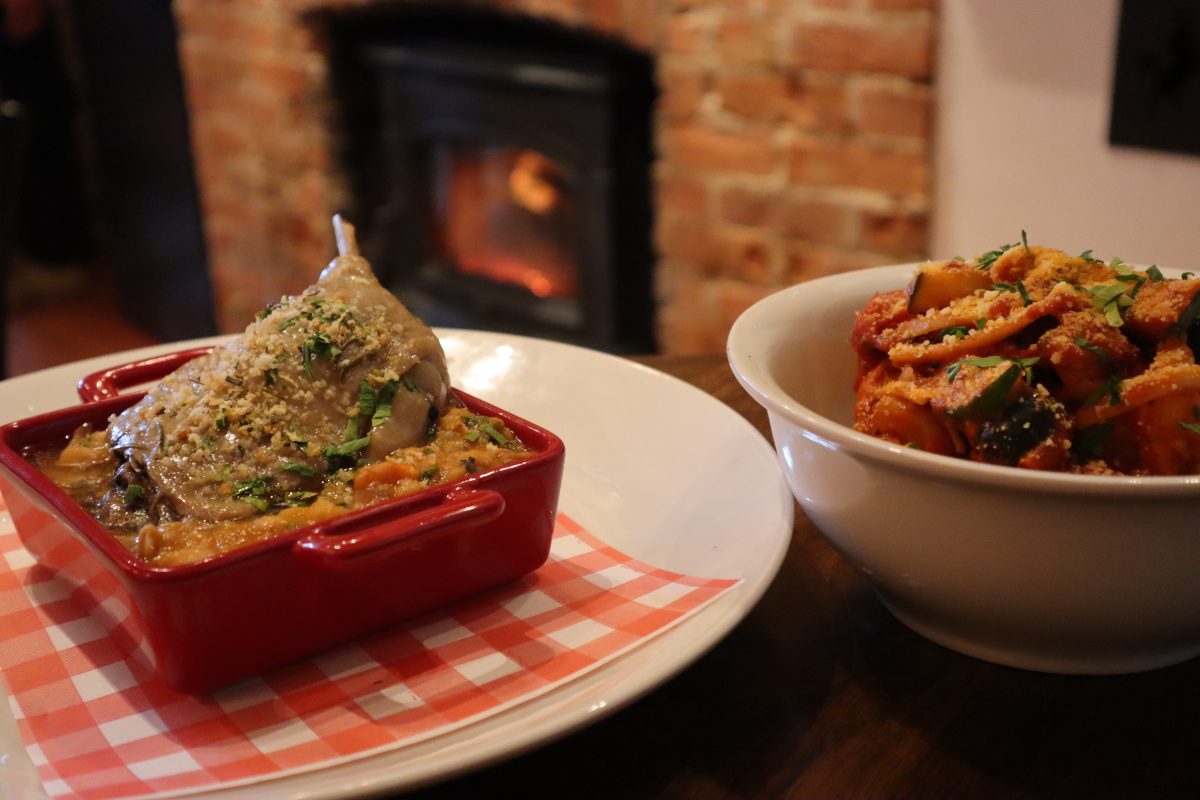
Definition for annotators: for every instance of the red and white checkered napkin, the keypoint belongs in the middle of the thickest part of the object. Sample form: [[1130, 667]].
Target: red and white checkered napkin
[[97, 723]]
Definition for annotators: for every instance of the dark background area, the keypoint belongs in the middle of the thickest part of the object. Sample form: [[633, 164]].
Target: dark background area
[[102, 188], [133, 91]]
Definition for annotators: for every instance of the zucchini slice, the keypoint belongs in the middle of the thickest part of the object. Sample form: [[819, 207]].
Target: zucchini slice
[[940, 283], [978, 393]]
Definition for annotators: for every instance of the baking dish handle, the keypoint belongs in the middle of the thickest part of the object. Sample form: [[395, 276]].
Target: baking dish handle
[[109, 382], [389, 526]]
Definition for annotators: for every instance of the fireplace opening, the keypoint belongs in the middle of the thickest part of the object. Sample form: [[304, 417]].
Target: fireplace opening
[[504, 219], [506, 214], [501, 170]]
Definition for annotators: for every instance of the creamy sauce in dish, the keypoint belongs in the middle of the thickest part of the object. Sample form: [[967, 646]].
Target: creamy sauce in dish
[[461, 444]]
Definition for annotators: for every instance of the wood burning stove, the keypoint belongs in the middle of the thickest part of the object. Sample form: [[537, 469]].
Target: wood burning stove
[[502, 167]]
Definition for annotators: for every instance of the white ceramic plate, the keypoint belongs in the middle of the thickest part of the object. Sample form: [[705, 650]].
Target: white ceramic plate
[[655, 467]]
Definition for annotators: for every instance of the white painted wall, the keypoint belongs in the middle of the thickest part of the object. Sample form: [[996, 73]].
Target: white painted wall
[[1024, 88]]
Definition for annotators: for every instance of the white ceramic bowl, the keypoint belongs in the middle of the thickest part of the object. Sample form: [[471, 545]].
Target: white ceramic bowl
[[1045, 571]]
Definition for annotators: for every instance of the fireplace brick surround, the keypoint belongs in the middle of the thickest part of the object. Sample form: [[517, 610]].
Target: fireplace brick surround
[[792, 138]]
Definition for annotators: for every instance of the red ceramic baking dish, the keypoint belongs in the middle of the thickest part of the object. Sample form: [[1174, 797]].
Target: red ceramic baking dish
[[226, 618]]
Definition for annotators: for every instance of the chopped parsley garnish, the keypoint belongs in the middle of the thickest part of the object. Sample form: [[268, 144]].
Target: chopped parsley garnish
[[287, 323], [1110, 387], [1004, 287], [300, 469], [1192, 426], [981, 323], [383, 403], [233, 380], [1026, 364], [269, 376], [1187, 275], [485, 425], [913, 446], [989, 361], [317, 345], [323, 310], [493, 434], [1024, 294], [987, 259], [1093, 349], [1126, 274], [428, 474], [374, 405], [1104, 294], [306, 356], [471, 468], [253, 492], [222, 421], [346, 448], [1086, 255], [368, 398], [256, 487], [298, 498], [1155, 273], [1112, 313], [133, 494], [266, 312], [1111, 298], [957, 331]]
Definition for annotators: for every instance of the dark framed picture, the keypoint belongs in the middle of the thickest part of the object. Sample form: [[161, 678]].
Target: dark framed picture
[[1156, 85]]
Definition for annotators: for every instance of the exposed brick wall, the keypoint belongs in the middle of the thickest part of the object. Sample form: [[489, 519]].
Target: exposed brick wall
[[793, 140]]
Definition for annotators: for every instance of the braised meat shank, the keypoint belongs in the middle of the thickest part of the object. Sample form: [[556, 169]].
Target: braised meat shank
[[338, 376]]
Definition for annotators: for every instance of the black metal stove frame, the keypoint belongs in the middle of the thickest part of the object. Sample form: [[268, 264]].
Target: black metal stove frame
[[411, 80]]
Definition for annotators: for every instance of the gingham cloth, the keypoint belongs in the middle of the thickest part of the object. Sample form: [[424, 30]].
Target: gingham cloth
[[98, 723]]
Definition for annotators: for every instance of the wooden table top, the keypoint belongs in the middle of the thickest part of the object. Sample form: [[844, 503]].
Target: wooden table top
[[821, 693]]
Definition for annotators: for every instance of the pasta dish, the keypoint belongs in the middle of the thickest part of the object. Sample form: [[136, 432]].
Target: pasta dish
[[1030, 357]]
